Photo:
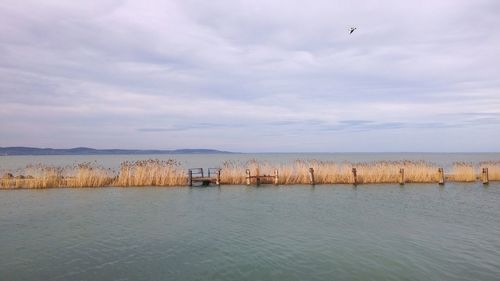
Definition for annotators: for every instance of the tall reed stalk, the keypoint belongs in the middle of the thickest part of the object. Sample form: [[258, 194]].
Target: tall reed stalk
[[327, 172], [151, 173], [493, 169], [462, 171], [171, 173]]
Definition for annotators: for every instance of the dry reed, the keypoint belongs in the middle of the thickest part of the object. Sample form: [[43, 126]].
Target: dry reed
[[326, 172], [42, 176], [493, 169], [171, 173], [151, 173], [462, 171]]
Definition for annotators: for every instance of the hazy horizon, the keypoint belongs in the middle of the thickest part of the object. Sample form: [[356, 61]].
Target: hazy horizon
[[265, 152], [251, 76]]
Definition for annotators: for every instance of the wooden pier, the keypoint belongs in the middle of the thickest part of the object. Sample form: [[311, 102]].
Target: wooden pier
[[196, 175], [262, 178]]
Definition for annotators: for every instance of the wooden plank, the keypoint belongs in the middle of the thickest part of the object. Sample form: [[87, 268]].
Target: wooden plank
[[204, 179]]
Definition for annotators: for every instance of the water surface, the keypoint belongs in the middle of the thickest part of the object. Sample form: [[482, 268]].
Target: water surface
[[11, 163], [330, 232]]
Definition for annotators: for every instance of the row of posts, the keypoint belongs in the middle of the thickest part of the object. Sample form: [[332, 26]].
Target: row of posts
[[484, 176], [401, 178]]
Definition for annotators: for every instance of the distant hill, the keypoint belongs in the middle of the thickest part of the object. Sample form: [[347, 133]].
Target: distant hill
[[91, 151]]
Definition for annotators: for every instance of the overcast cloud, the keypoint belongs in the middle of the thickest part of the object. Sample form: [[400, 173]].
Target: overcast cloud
[[251, 75]]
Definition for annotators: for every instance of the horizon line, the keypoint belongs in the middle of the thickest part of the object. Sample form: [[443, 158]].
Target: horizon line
[[239, 152]]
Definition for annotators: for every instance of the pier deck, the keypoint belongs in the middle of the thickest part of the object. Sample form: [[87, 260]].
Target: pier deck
[[196, 175]]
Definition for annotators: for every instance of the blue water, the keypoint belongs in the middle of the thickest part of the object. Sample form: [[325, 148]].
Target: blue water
[[11, 163], [330, 232]]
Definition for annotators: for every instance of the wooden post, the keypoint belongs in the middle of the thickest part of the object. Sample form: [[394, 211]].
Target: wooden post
[[311, 176], [355, 176], [441, 176], [276, 178], [484, 176], [190, 177], [248, 177], [217, 180], [401, 176], [257, 179]]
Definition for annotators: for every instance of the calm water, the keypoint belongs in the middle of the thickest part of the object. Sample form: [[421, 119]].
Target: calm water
[[372, 232], [11, 163]]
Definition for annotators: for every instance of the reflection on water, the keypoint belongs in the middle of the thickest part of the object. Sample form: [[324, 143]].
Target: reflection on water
[[371, 232]]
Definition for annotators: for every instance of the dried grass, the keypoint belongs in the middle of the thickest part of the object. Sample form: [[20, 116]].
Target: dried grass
[[326, 172], [171, 173], [493, 169], [151, 173], [463, 172]]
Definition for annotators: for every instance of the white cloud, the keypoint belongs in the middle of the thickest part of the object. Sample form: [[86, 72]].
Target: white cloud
[[105, 73]]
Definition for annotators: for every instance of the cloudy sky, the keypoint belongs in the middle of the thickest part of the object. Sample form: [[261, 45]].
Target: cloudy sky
[[251, 76]]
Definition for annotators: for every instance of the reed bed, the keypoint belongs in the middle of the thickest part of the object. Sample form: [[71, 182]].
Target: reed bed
[[493, 169], [388, 172], [171, 173], [463, 172], [43, 176], [151, 173], [139, 173], [327, 172]]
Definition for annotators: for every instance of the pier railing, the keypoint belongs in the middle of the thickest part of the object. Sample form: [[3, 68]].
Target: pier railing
[[196, 175]]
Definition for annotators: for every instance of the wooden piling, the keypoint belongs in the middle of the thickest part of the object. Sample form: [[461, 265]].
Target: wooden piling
[[441, 176], [190, 178], [217, 179], [257, 179], [248, 177], [276, 177], [484, 176], [354, 176], [401, 176], [311, 176]]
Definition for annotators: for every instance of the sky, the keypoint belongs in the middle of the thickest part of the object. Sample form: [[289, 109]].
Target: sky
[[251, 76]]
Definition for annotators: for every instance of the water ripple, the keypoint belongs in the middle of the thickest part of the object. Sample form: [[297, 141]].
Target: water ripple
[[379, 232]]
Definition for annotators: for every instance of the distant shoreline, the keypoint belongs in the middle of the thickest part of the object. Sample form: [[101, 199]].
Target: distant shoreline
[[34, 151], [82, 151]]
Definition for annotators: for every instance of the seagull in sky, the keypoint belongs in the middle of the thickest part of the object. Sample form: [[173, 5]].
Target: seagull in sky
[[352, 30]]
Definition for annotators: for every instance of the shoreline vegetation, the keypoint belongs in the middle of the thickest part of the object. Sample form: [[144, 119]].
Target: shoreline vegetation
[[154, 172]]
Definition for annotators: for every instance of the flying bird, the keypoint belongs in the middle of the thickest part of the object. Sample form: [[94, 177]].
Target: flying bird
[[352, 30]]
